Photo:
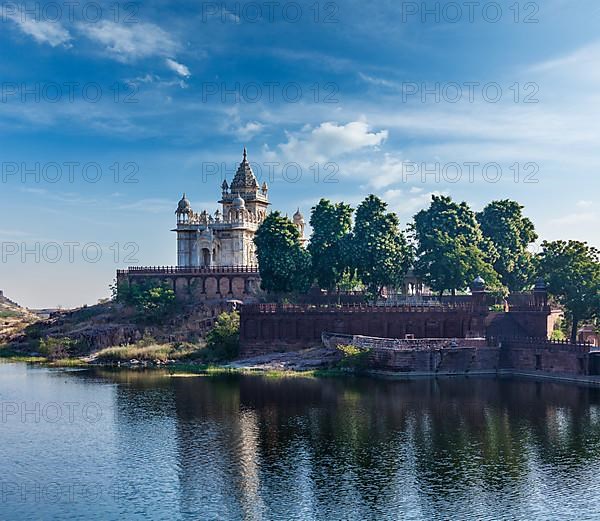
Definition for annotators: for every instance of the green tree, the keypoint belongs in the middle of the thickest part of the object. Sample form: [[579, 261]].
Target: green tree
[[157, 301], [503, 223], [331, 225], [379, 249], [572, 273], [451, 250], [223, 340], [153, 300], [283, 263]]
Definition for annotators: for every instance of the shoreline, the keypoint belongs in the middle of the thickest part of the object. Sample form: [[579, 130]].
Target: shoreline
[[192, 369]]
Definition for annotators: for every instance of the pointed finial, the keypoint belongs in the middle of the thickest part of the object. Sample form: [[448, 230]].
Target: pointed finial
[[245, 152]]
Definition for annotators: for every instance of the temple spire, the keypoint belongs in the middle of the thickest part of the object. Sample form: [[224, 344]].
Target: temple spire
[[244, 178]]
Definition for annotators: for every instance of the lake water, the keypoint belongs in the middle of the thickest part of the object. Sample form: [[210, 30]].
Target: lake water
[[98, 444]]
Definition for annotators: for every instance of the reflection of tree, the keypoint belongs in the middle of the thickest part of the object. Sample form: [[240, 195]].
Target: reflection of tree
[[252, 447]]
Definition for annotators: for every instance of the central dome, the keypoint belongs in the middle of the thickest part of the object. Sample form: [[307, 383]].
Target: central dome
[[244, 178]]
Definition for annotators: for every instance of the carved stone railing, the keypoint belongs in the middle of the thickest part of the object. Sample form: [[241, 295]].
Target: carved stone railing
[[356, 308], [187, 270]]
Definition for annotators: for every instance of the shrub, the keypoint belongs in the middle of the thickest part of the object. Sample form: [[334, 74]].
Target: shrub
[[223, 340], [353, 357], [58, 348], [153, 300]]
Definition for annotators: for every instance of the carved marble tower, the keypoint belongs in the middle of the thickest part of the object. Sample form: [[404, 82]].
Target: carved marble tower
[[224, 238]]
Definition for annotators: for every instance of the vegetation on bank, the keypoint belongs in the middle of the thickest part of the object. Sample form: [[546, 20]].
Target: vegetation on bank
[[154, 302], [221, 345], [447, 244], [353, 358]]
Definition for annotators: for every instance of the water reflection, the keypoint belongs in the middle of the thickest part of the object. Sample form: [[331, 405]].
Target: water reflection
[[260, 448]]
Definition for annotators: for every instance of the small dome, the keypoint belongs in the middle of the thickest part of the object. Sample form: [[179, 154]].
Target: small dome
[[238, 202], [540, 284], [298, 217], [184, 205], [478, 284]]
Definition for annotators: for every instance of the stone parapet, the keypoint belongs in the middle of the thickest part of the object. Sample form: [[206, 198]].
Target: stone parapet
[[199, 284]]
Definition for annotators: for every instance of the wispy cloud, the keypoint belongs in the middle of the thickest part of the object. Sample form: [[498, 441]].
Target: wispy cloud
[[130, 42], [177, 67], [576, 218], [42, 31]]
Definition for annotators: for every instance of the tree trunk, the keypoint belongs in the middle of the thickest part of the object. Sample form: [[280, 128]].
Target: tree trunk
[[441, 295], [574, 330]]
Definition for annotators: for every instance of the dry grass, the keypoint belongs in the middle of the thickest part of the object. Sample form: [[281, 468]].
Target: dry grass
[[146, 353]]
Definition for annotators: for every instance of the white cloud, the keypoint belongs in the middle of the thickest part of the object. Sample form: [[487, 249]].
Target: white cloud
[[575, 218], [329, 140], [127, 43], [42, 31], [249, 130], [377, 172], [380, 82], [179, 68], [584, 204], [406, 204], [149, 205], [588, 55]]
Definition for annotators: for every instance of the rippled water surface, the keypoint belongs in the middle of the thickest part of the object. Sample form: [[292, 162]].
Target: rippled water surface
[[131, 445]]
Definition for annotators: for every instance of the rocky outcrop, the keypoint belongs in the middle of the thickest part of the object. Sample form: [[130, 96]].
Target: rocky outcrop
[[13, 318], [93, 328]]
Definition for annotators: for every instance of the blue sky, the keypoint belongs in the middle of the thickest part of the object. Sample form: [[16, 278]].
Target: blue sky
[[106, 117]]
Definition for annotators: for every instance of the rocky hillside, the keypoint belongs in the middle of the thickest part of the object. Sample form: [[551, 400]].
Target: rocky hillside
[[90, 329], [13, 318]]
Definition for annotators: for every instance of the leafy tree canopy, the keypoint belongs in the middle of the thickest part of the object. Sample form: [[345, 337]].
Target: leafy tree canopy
[[331, 225], [283, 263], [154, 300], [379, 249], [451, 250], [503, 223], [572, 273]]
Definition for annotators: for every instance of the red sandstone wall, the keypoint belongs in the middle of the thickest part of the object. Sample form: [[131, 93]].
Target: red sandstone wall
[[545, 357], [444, 361], [202, 286], [288, 330]]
